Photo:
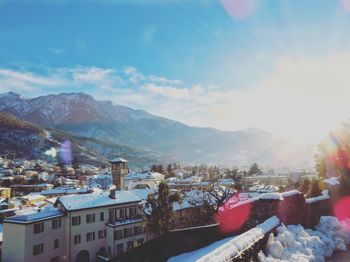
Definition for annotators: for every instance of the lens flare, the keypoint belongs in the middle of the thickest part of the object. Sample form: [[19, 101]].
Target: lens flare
[[232, 216], [66, 152], [239, 9], [342, 212], [346, 5]]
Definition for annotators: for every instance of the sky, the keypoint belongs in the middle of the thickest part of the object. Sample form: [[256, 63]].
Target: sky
[[282, 66]]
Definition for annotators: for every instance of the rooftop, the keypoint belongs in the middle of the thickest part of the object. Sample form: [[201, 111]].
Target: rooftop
[[76, 202], [34, 215], [118, 160]]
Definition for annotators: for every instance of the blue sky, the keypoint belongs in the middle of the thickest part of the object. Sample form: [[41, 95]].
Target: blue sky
[[228, 64]]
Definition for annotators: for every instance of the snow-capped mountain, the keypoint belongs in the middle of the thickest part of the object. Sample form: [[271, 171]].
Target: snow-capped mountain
[[82, 115]]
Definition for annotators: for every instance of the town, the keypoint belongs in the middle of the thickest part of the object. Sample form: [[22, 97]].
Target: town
[[174, 131], [88, 213]]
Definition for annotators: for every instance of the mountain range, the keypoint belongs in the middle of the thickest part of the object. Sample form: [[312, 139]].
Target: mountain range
[[101, 126]]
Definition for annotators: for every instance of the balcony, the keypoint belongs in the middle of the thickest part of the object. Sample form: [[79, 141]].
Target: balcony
[[131, 220]]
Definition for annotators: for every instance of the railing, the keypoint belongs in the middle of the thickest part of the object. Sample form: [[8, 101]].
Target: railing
[[118, 222]]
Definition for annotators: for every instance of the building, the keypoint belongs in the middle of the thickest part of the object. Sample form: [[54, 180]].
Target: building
[[32, 199], [78, 228], [143, 180], [5, 192], [102, 181]]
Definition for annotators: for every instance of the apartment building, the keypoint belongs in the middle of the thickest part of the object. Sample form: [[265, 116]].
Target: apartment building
[[79, 228]]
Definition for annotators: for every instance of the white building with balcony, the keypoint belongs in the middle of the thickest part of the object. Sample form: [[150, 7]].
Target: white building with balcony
[[79, 228]]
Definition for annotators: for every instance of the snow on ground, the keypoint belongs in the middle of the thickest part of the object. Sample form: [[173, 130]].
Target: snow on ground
[[294, 243], [323, 196], [229, 247], [332, 181]]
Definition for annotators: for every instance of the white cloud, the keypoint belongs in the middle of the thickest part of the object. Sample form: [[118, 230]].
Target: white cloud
[[302, 97]]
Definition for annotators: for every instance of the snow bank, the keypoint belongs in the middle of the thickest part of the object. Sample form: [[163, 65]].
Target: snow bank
[[324, 196], [271, 196], [230, 247], [294, 243], [332, 181], [291, 193]]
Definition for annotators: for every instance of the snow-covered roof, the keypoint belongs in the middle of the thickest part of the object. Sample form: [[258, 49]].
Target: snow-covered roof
[[34, 215], [31, 197], [142, 193], [76, 202], [117, 160], [144, 176], [60, 190], [101, 176]]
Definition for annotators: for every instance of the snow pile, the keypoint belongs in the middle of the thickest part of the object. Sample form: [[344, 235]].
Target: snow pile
[[271, 196], [230, 247], [291, 193], [324, 196], [294, 243], [333, 181]]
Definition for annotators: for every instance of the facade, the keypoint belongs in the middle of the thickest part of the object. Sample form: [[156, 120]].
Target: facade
[[142, 180], [78, 228], [5, 192]]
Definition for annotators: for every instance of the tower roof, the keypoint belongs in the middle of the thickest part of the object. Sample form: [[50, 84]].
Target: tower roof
[[118, 160]]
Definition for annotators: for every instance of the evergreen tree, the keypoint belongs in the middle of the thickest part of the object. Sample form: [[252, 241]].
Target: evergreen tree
[[154, 168], [254, 170], [162, 214]]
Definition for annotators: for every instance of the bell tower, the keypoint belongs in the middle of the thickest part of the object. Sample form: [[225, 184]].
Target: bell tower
[[119, 170]]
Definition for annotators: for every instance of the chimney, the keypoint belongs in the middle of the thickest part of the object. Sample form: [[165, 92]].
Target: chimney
[[112, 192]]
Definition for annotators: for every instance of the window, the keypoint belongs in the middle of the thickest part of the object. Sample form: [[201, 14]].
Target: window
[[102, 233], [111, 216], [90, 218], [132, 211], [138, 230], [102, 216], [38, 249], [118, 234], [122, 213], [129, 245], [128, 232], [76, 220], [140, 241], [38, 227], [55, 259], [55, 243], [77, 239], [56, 223], [90, 236], [120, 248]]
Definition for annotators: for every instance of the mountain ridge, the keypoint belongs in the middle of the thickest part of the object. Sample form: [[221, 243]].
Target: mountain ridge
[[81, 115], [32, 141]]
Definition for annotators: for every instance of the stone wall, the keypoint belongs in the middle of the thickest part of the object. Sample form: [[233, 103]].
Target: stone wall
[[293, 209], [290, 209]]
